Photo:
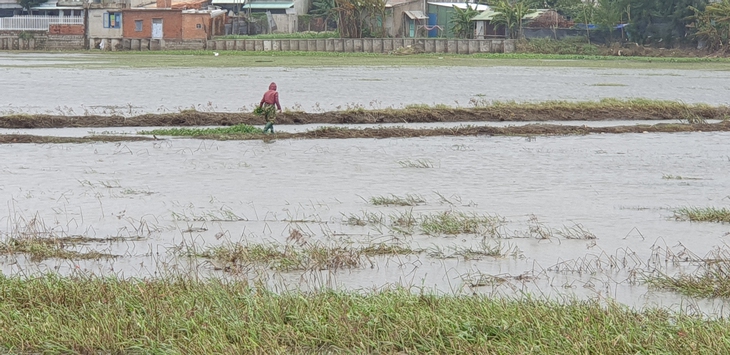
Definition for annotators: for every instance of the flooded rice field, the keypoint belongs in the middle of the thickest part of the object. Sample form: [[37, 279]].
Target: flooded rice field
[[588, 216], [127, 91], [584, 216]]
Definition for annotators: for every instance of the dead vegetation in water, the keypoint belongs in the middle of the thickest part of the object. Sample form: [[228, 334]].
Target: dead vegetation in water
[[710, 279], [480, 110], [40, 241]]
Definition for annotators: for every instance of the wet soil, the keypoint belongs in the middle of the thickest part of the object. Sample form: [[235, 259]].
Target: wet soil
[[27, 138], [399, 132], [493, 114]]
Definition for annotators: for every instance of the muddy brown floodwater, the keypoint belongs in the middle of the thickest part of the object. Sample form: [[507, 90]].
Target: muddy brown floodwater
[[205, 193]]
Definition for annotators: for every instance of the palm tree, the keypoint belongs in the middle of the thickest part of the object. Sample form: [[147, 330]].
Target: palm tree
[[510, 14], [326, 9], [461, 24]]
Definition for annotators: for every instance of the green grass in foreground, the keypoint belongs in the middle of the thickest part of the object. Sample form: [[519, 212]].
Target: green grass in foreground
[[237, 129], [51, 314], [703, 214]]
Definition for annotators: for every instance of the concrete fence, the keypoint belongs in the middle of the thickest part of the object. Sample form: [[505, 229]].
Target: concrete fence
[[369, 45], [358, 45]]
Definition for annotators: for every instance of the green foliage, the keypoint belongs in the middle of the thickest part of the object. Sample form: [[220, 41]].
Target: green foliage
[[357, 18], [326, 9], [461, 24], [237, 129], [712, 25], [570, 45], [27, 4], [609, 13], [659, 21], [510, 14], [196, 315]]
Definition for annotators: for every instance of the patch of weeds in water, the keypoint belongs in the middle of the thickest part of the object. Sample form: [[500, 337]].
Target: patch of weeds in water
[[193, 132], [137, 192], [576, 231], [608, 84], [310, 256], [710, 280], [388, 249], [222, 214], [678, 177], [403, 222], [484, 249], [394, 200], [419, 164], [39, 249], [538, 230], [453, 223], [364, 219], [703, 214]]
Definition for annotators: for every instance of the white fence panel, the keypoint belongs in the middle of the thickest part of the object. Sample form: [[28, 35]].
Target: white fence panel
[[37, 23]]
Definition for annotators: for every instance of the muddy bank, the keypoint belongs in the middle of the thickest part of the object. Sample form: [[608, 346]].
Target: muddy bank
[[526, 130], [397, 132], [27, 138], [507, 112]]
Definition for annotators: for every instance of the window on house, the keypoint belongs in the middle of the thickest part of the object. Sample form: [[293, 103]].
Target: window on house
[[138, 25], [112, 20], [198, 26]]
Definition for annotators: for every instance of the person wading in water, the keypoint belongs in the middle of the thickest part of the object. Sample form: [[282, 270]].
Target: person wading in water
[[269, 105]]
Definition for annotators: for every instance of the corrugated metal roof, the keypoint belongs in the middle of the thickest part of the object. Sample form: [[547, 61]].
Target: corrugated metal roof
[[461, 5], [416, 15], [489, 15], [258, 5]]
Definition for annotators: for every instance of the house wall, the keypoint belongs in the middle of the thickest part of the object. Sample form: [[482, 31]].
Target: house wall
[[286, 23], [190, 24], [443, 17], [301, 7], [96, 24], [398, 29], [171, 23], [74, 30]]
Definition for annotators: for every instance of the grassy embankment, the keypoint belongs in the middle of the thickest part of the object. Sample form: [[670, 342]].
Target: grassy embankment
[[178, 315], [238, 59], [694, 116]]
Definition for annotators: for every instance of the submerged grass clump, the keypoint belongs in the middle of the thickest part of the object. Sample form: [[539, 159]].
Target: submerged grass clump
[[39, 249], [452, 223], [287, 258], [678, 177], [710, 280], [394, 200], [51, 314], [419, 164], [703, 214], [237, 129]]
